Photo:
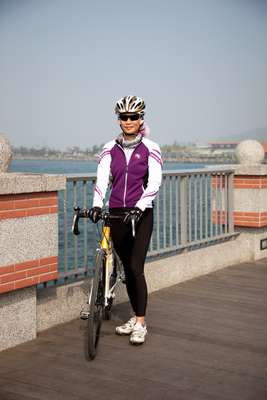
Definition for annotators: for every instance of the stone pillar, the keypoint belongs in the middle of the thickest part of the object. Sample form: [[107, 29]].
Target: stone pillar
[[5, 154], [250, 194], [28, 249]]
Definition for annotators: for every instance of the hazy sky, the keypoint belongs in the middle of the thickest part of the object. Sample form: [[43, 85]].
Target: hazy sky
[[201, 66]]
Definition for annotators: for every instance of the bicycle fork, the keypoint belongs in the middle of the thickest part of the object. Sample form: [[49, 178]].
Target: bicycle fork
[[110, 283]]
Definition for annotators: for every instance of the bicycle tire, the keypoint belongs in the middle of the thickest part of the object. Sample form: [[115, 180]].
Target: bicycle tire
[[96, 309]]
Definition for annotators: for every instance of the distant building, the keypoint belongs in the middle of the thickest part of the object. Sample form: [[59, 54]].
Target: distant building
[[230, 146], [223, 145]]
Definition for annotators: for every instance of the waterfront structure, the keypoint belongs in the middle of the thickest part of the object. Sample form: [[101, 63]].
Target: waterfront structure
[[28, 249], [29, 240]]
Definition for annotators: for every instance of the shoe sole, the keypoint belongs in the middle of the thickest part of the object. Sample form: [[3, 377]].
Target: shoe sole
[[137, 343], [123, 334]]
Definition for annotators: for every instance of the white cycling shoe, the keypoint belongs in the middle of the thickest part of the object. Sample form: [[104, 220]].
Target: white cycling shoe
[[138, 335], [126, 328]]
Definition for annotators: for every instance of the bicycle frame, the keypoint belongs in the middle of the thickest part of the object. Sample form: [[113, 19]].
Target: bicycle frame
[[108, 273], [110, 260], [107, 256]]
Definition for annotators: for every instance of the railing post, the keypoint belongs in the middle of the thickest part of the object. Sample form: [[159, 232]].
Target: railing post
[[75, 238], [85, 238], [231, 202], [200, 207], [170, 212], [65, 212], [94, 229], [164, 210], [183, 211], [158, 224]]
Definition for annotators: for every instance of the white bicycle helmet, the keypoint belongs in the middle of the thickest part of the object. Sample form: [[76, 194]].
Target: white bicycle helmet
[[130, 104]]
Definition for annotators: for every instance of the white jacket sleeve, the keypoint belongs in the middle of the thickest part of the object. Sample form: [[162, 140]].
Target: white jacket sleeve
[[154, 177], [102, 181]]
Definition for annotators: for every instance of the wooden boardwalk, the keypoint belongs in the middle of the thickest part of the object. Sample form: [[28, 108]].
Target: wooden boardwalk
[[207, 340]]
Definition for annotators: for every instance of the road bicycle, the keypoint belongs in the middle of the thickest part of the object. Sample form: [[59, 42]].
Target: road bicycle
[[108, 273]]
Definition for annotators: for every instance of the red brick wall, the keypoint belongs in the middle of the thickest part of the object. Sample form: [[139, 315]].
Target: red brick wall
[[250, 219], [241, 218], [28, 273], [242, 182], [35, 271], [250, 182], [26, 205]]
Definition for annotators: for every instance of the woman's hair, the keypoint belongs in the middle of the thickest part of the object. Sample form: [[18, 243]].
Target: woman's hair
[[144, 130]]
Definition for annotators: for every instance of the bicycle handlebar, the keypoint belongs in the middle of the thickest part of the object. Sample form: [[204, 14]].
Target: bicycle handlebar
[[104, 216]]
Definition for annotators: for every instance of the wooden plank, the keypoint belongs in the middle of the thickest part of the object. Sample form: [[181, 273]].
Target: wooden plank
[[207, 340]]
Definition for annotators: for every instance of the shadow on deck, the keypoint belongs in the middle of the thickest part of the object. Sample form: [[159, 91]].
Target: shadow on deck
[[207, 340]]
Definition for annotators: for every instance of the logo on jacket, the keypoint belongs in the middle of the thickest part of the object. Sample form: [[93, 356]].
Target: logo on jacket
[[138, 156]]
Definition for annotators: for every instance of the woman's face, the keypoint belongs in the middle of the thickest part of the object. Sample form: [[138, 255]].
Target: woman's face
[[130, 127]]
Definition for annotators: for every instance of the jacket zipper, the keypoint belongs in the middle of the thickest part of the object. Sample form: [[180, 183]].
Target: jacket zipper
[[125, 184]]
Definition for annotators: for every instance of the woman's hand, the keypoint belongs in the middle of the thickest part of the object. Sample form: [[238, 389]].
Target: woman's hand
[[135, 213]]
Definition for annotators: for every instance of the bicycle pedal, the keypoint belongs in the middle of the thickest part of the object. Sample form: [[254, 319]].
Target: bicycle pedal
[[84, 314]]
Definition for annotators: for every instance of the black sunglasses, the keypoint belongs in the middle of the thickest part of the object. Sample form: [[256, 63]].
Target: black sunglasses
[[132, 117]]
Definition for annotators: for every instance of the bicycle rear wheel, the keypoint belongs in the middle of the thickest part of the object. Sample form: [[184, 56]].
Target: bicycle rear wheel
[[96, 309]]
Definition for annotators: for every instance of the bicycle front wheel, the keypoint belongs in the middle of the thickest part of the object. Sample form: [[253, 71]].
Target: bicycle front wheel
[[96, 308]]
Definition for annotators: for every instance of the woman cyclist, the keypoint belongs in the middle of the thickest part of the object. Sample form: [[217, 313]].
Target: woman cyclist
[[135, 165]]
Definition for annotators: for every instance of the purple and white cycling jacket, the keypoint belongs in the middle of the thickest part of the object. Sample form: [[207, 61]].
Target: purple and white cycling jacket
[[135, 174]]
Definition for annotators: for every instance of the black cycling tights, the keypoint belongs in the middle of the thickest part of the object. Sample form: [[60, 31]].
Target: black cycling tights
[[132, 252]]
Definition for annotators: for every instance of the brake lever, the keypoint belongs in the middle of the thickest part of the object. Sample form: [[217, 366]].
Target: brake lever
[[75, 222]]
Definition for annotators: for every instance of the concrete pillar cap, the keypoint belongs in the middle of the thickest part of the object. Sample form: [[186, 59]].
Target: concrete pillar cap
[[249, 152]]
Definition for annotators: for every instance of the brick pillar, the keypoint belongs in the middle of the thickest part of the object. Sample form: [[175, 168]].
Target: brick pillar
[[28, 249], [250, 195]]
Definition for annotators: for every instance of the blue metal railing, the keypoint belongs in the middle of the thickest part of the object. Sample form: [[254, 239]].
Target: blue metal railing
[[194, 208]]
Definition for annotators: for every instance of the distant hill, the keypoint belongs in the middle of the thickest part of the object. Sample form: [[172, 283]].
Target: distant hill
[[256, 134]]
